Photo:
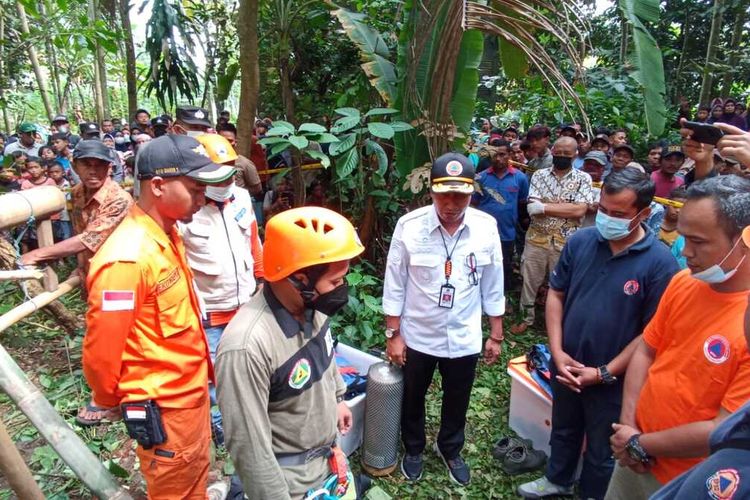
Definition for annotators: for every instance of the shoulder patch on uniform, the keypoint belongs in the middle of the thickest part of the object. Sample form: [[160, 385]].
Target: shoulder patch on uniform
[[300, 374], [167, 283], [118, 300], [723, 484]]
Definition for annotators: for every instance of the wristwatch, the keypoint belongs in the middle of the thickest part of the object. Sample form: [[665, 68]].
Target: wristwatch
[[606, 377], [636, 451], [339, 399], [391, 332]]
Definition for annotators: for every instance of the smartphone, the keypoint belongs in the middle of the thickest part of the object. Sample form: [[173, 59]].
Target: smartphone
[[704, 132]]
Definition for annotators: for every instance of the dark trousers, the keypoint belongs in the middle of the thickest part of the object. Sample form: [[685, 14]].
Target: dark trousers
[[508, 251], [458, 378], [591, 414]]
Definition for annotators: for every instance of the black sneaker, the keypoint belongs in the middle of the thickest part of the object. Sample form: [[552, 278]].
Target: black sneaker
[[457, 468], [522, 459], [411, 467], [217, 434], [505, 444]]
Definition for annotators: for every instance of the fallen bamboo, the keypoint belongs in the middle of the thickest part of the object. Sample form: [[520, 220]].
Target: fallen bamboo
[[17, 207], [56, 431], [41, 300], [21, 275], [14, 469]]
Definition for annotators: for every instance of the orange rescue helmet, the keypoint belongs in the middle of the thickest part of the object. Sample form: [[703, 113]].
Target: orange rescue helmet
[[746, 236], [218, 148], [304, 237]]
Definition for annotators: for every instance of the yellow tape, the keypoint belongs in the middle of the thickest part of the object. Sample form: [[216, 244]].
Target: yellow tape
[[657, 199], [309, 166]]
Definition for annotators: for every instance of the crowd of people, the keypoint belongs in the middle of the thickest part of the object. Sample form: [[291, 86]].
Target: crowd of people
[[209, 299]]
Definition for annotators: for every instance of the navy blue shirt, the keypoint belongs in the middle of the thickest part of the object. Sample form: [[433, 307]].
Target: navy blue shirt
[[726, 473], [500, 197], [609, 299]]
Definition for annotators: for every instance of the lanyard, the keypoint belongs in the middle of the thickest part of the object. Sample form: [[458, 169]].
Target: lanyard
[[448, 255]]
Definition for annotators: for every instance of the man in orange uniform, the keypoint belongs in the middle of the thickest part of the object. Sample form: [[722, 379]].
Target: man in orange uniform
[[145, 348], [691, 368]]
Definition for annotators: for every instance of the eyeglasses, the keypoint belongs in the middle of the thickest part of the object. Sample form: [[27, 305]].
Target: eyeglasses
[[471, 263]]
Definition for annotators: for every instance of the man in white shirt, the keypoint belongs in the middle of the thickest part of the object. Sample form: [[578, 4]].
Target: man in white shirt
[[444, 268]]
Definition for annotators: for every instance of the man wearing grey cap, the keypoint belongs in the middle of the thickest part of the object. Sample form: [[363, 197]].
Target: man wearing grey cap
[[445, 267]]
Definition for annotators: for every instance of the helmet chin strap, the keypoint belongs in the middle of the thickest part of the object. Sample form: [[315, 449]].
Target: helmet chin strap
[[308, 292]]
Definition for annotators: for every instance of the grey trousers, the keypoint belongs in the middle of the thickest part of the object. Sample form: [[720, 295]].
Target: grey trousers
[[628, 485], [536, 263]]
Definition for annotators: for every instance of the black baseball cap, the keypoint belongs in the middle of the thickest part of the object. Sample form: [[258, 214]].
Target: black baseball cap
[[452, 173], [672, 149], [625, 146], [60, 118], [88, 128], [159, 121], [193, 115], [174, 155], [92, 148], [601, 138]]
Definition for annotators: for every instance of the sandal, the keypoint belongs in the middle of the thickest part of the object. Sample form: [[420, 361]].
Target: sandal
[[90, 422]]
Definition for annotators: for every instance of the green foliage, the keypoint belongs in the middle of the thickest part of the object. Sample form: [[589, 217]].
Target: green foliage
[[361, 321], [649, 70]]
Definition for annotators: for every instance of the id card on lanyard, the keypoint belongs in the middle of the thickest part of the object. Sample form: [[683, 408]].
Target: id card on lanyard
[[448, 291]]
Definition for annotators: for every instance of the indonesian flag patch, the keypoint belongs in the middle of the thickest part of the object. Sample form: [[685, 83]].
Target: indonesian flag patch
[[118, 300]]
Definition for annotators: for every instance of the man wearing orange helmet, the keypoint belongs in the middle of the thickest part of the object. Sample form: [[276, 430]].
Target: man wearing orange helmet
[[224, 253], [280, 393]]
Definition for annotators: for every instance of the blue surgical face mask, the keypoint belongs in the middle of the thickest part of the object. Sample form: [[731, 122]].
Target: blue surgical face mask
[[613, 228], [715, 274]]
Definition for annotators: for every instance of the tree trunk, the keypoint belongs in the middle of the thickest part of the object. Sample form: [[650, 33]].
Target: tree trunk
[[40, 80], [130, 76], [624, 27], [14, 469], [247, 32], [3, 80], [103, 89], [66, 89], [740, 13], [713, 44], [52, 64], [96, 85], [683, 53]]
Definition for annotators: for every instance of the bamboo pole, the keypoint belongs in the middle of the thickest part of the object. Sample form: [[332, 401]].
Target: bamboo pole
[[14, 469], [21, 275], [21, 311], [42, 414]]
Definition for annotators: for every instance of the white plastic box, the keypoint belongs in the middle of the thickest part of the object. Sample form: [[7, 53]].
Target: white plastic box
[[530, 407], [362, 362]]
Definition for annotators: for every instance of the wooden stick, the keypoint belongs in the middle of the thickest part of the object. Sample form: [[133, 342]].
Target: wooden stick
[[14, 469], [21, 275], [45, 239], [19, 312]]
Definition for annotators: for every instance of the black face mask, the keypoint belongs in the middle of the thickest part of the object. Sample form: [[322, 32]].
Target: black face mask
[[561, 162], [330, 303]]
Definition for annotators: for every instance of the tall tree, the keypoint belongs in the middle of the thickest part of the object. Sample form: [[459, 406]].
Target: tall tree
[[34, 60], [3, 81], [740, 15], [707, 83], [130, 76], [247, 32]]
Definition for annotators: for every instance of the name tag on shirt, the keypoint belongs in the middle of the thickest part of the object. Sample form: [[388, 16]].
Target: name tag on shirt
[[447, 293]]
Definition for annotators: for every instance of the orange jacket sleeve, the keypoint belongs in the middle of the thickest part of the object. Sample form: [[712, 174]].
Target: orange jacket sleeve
[[257, 249], [115, 290]]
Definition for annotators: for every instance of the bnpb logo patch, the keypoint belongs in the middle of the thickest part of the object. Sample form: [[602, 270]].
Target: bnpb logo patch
[[723, 484], [631, 287], [454, 168], [716, 349], [300, 374]]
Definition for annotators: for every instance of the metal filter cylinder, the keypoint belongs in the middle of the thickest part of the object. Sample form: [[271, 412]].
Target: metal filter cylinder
[[382, 432]]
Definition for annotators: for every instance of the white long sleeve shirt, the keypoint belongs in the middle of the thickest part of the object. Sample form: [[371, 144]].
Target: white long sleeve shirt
[[415, 273]]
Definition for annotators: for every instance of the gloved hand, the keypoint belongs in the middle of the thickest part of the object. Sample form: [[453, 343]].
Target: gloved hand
[[535, 208]]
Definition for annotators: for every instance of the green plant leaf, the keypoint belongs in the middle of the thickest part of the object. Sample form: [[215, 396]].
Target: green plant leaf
[[348, 112], [322, 157], [278, 148], [278, 132], [344, 124], [381, 130], [346, 164], [372, 147], [312, 127], [400, 126], [299, 141], [345, 143], [381, 111], [373, 51], [283, 124], [225, 81], [323, 138], [117, 470], [269, 141]]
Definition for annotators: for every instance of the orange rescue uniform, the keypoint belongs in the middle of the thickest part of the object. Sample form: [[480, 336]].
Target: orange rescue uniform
[[702, 362], [144, 341]]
